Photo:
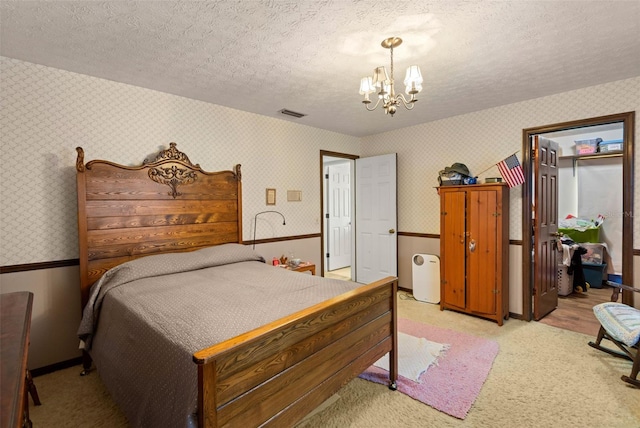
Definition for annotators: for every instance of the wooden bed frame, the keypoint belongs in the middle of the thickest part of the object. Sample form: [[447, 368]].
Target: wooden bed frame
[[273, 375]]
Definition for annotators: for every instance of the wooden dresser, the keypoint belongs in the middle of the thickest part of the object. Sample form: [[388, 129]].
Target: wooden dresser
[[15, 380]]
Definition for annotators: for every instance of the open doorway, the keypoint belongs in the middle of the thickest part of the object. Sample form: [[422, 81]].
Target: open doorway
[[338, 206], [542, 167], [368, 230], [590, 187]]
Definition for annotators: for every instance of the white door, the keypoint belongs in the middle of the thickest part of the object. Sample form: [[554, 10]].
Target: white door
[[339, 219], [376, 218]]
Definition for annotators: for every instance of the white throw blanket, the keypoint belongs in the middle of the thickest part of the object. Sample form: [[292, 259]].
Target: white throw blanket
[[415, 356]]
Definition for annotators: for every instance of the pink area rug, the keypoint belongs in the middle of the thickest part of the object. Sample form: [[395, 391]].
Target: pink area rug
[[453, 384]]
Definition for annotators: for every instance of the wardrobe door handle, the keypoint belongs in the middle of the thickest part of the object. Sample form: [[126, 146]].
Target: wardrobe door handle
[[472, 245]]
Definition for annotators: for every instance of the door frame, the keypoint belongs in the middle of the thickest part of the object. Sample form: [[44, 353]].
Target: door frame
[[323, 250], [628, 120]]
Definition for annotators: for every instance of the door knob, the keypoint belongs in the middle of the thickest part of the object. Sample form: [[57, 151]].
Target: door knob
[[392, 231]]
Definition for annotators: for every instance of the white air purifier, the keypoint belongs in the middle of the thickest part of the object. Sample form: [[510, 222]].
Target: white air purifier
[[426, 277]]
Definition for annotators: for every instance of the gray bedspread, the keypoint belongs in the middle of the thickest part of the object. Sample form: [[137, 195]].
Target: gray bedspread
[[146, 318]]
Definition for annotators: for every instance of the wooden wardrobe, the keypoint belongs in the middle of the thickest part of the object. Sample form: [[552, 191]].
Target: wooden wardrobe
[[474, 250]]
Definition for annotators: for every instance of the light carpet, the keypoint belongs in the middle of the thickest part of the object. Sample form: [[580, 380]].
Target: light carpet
[[542, 377], [452, 385]]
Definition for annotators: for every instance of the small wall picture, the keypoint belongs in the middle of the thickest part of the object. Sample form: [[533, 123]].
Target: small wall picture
[[271, 196]]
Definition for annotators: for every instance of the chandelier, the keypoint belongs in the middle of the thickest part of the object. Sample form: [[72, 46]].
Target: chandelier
[[384, 86]]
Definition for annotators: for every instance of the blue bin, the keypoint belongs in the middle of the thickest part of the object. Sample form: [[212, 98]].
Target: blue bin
[[594, 273], [615, 278]]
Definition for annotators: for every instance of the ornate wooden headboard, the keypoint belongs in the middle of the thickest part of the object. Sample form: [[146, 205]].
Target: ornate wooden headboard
[[167, 204]]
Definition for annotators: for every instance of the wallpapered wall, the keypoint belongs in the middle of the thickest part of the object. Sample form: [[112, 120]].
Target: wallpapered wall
[[482, 139], [46, 113]]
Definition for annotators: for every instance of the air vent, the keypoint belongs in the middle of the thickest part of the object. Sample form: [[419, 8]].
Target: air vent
[[291, 113]]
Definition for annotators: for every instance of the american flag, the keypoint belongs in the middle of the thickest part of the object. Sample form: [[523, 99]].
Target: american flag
[[511, 171]]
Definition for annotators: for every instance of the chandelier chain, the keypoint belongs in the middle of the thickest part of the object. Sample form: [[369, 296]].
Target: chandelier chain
[[392, 64]]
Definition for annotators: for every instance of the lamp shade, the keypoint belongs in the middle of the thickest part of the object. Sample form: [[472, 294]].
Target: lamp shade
[[366, 86], [380, 76], [413, 78]]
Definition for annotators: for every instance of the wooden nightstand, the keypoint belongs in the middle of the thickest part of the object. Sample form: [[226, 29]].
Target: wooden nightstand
[[303, 267]]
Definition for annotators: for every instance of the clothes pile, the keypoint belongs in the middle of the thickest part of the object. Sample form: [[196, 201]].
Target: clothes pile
[[572, 257]]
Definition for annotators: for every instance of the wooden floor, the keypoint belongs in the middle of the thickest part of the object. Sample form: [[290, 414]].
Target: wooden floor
[[575, 311]]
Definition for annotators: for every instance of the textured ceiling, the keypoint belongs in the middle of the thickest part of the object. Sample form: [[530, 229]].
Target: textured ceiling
[[308, 56]]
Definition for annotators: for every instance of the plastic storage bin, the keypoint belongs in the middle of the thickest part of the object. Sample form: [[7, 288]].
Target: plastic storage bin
[[589, 235], [610, 146], [595, 253], [594, 273], [584, 147], [614, 278]]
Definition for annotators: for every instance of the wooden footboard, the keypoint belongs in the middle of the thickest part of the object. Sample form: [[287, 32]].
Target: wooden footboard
[[276, 374]]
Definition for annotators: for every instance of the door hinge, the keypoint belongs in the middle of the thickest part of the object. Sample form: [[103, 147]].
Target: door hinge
[[326, 176], [496, 291], [496, 214], [535, 291], [327, 255], [326, 215]]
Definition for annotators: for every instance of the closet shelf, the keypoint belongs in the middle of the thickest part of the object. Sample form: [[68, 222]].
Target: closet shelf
[[576, 158], [593, 156]]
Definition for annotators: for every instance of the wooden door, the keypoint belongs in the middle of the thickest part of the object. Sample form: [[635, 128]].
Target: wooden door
[[545, 227], [453, 242], [339, 215], [482, 251]]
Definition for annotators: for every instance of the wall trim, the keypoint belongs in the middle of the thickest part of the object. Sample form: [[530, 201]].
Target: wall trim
[[38, 266], [437, 236], [420, 235], [280, 239], [75, 262]]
